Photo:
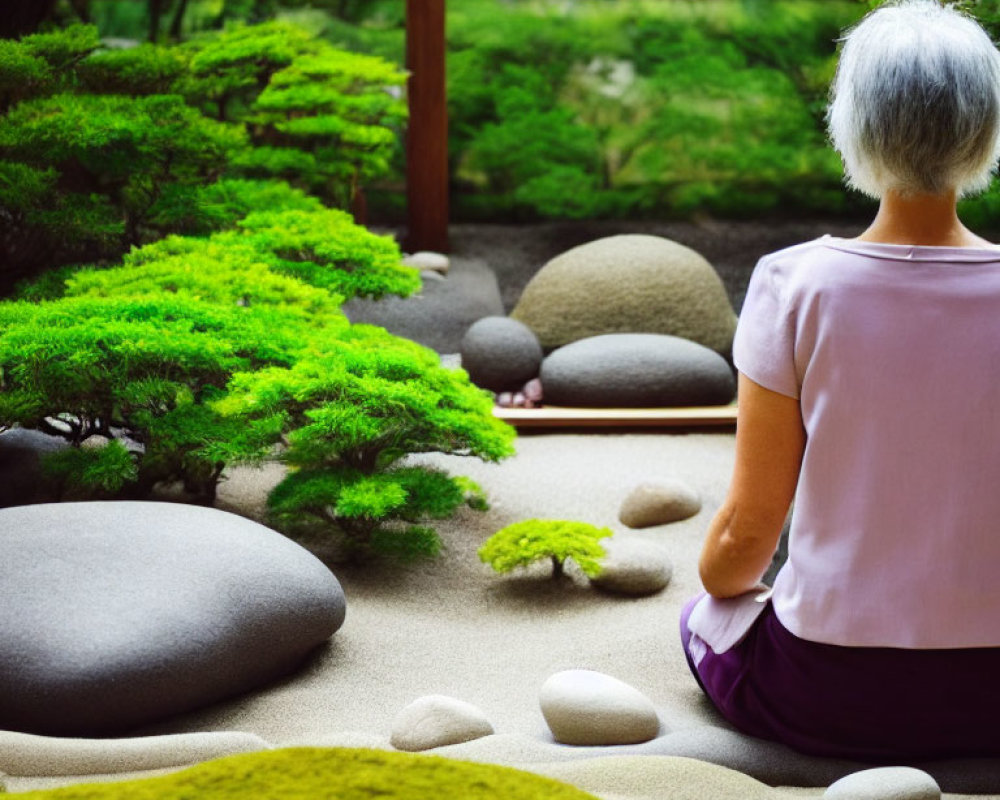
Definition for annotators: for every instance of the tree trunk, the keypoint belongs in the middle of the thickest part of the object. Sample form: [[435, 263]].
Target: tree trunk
[[178, 21], [82, 10], [557, 568], [155, 11]]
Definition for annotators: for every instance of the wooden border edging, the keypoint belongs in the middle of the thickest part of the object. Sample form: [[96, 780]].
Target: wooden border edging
[[565, 417]]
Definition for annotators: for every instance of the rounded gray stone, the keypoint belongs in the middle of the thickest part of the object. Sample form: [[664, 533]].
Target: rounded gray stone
[[636, 370], [441, 312], [633, 566], [435, 721], [584, 707], [117, 614], [658, 503], [628, 283], [500, 354], [22, 479], [885, 783]]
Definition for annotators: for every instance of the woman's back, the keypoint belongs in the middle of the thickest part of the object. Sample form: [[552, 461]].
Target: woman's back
[[894, 355]]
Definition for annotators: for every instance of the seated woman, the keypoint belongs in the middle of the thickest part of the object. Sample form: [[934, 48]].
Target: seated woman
[[870, 393]]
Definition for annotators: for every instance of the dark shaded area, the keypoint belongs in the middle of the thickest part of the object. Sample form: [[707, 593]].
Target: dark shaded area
[[21, 17]]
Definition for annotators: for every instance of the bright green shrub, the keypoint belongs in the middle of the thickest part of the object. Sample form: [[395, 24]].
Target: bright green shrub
[[319, 116], [532, 540], [346, 774], [354, 412], [199, 351], [138, 373], [321, 248], [91, 175], [143, 70], [325, 248], [338, 108], [103, 150]]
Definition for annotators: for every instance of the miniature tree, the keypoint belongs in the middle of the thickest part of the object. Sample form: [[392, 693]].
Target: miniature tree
[[91, 175], [336, 113], [532, 540], [318, 116], [139, 354], [104, 150], [354, 413], [138, 374]]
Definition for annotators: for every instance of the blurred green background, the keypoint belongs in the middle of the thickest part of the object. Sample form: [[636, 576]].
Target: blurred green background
[[580, 109]]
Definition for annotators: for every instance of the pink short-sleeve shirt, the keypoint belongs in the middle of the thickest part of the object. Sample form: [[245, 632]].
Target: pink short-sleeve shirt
[[894, 354]]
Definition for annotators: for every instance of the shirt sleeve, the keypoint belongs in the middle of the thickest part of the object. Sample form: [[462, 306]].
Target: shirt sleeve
[[764, 346]]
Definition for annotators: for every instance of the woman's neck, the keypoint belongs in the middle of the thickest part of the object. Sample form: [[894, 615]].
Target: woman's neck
[[920, 219]]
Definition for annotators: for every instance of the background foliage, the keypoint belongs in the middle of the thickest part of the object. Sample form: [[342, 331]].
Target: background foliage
[[589, 108]]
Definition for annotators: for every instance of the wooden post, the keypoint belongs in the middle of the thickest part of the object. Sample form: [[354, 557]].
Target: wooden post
[[427, 135]]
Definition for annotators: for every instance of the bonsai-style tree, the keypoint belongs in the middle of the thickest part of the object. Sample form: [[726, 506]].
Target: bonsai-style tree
[[89, 176], [532, 540], [338, 113], [104, 150], [139, 354], [318, 116], [135, 376], [198, 351], [354, 413]]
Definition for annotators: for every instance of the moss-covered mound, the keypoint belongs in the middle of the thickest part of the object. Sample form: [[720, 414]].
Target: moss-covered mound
[[344, 774]]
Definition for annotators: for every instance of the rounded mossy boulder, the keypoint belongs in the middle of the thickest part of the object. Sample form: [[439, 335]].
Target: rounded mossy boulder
[[631, 283], [345, 774]]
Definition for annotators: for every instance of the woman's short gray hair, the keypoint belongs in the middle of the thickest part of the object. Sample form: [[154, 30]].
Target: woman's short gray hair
[[915, 105]]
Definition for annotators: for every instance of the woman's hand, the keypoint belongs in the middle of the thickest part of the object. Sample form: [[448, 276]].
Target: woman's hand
[[743, 535]]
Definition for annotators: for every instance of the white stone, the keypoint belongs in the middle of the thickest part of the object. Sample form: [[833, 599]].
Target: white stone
[[633, 566], [658, 504], [435, 721], [584, 707], [426, 260], [885, 783]]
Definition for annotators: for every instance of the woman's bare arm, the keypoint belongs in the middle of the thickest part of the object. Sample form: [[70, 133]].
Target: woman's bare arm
[[743, 535]]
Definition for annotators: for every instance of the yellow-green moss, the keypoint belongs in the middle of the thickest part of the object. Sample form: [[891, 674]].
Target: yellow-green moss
[[328, 773]]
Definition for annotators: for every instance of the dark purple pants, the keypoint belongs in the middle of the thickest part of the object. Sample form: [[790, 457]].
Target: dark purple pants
[[867, 703]]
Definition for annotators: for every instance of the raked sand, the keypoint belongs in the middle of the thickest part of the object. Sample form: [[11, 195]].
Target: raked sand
[[451, 626]]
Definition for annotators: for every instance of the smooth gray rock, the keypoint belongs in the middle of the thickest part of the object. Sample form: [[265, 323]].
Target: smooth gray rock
[[441, 312], [636, 370], [22, 480], [115, 614], [633, 566], [583, 707], [436, 721], [885, 783], [658, 503], [628, 283], [500, 354]]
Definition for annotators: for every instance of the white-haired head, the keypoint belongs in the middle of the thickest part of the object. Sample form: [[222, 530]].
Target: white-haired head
[[915, 105]]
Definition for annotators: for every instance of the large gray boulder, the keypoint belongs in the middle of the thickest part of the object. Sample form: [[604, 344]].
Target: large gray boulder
[[636, 370], [116, 614], [631, 283], [500, 354]]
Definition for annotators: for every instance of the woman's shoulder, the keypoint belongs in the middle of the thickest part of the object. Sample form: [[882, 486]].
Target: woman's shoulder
[[828, 246]]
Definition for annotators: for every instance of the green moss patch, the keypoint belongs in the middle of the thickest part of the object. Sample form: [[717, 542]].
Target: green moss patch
[[317, 773]]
